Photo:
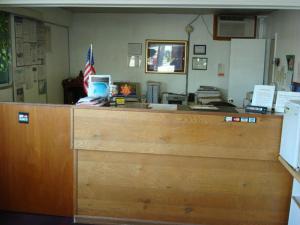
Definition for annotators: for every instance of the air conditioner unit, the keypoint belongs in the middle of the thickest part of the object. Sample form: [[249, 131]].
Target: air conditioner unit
[[234, 26]]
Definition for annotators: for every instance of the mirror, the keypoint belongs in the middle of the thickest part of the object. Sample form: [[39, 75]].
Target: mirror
[[166, 56]]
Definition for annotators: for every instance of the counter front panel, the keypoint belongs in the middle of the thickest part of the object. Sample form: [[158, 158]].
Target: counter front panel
[[179, 168]]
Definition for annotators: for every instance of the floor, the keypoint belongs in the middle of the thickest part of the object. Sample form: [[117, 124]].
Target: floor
[[9, 218]]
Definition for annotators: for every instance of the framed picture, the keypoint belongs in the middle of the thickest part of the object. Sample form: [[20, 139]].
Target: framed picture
[[199, 63], [199, 49], [166, 56]]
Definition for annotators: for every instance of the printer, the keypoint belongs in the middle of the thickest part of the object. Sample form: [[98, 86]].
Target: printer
[[173, 98]]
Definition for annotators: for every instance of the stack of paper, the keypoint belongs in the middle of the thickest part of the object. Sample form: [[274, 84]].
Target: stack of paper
[[207, 94], [92, 101]]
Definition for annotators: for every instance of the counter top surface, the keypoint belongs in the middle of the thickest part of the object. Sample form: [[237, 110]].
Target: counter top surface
[[230, 111]]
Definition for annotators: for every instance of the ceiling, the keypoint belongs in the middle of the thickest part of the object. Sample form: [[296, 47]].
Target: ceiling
[[167, 10]]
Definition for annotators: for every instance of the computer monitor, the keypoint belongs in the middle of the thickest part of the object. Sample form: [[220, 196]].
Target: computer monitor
[[129, 90], [99, 85]]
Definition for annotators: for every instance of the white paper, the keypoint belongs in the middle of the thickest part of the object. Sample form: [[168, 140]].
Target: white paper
[[35, 73], [28, 78], [30, 54], [41, 72], [19, 93], [41, 32], [19, 76], [40, 52], [19, 52], [26, 54], [263, 95], [32, 30], [297, 75], [19, 29], [26, 30], [283, 97], [33, 54]]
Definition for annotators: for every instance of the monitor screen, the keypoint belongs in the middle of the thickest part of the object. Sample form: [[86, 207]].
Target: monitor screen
[[128, 89], [99, 85]]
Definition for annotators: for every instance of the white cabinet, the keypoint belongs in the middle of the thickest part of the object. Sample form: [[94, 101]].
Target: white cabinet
[[294, 217], [247, 65]]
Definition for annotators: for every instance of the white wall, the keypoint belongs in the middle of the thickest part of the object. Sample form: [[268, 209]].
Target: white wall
[[111, 33], [286, 25], [57, 64]]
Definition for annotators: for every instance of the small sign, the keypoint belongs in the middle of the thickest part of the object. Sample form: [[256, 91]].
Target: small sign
[[236, 119], [23, 117], [228, 118], [252, 120], [120, 100], [244, 119]]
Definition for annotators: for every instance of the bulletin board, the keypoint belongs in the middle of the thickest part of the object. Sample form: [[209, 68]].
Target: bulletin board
[[30, 78]]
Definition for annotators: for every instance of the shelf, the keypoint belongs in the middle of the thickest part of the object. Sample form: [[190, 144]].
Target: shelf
[[293, 172]]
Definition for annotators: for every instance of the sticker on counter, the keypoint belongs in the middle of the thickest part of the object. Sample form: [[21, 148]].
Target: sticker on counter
[[236, 119], [23, 117], [228, 118], [244, 119], [252, 120]]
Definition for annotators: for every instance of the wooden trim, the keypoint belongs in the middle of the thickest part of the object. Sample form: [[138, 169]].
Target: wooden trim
[[72, 128], [120, 221], [75, 182], [293, 172], [191, 112]]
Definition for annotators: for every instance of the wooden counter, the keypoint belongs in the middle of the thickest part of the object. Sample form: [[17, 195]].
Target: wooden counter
[[139, 166], [36, 168]]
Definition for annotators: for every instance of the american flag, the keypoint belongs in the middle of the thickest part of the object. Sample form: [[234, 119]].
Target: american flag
[[89, 69]]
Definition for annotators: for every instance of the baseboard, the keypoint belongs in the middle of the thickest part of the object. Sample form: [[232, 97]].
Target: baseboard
[[121, 221]]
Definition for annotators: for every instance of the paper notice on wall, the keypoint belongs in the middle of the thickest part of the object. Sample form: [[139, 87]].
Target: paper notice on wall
[[19, 28], [19, 93], [35, 73], [263, 95], [32, 30], [41, 32], [41, 72], [30, 54], [19, 52], [283, 97], [19, 76], [33, 53], [41, 52], [26, 30], [48, 44], [29, 78], [42, 87], [26, 54], [221, 70], [29, 30], [296, 77]]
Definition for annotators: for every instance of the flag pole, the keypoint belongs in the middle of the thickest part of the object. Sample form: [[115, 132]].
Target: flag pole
[[91, 53]]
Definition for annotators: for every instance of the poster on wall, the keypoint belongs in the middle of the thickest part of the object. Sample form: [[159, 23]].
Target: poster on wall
[[19, 52], [42, 87], [290, 71], [20, 94]]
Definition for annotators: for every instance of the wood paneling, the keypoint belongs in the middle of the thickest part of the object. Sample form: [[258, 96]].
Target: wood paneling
[[179, 167], [182, 189], [36, 173], [176, 134]]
